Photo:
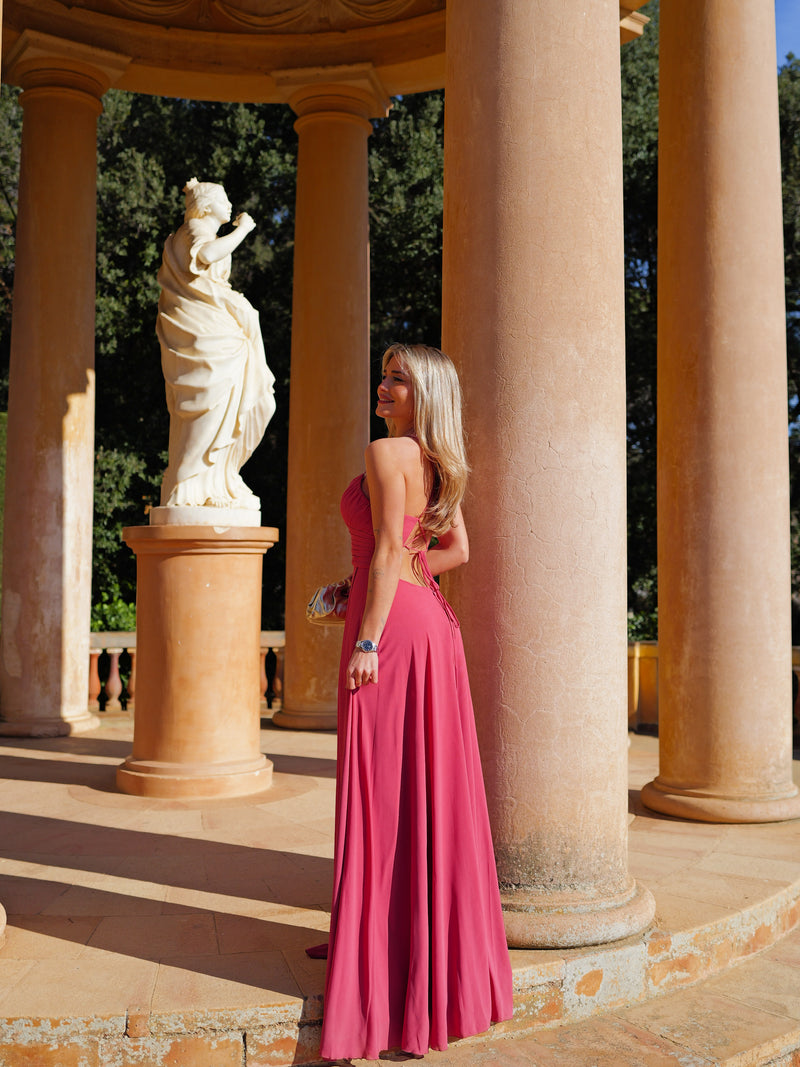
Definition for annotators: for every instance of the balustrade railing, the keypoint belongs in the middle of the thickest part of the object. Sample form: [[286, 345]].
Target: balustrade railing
[[112, 676], [112, 670]]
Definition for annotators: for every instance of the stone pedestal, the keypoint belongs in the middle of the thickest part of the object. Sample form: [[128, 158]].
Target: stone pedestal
[[534, 313], [198, 607], [329, 396], [724, 641]]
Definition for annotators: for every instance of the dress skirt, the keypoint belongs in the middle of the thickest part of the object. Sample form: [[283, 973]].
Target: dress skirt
[[417, 949]]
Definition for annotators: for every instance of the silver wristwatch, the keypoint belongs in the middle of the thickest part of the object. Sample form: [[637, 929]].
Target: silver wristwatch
[[366, 645]]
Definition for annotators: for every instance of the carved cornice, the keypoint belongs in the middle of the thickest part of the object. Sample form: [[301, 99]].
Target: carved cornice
[[266, 16], [38, 60]]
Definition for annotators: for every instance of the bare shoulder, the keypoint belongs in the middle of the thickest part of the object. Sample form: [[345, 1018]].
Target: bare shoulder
[[392, 452]]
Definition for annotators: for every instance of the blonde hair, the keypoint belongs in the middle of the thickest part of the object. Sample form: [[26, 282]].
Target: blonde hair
[[437, 427]]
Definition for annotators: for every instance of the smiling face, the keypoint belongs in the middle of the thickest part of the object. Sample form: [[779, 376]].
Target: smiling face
[[396, 398]]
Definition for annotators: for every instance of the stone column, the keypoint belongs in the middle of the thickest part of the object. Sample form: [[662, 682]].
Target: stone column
[[723, 480], [534, 315], [47, 541], [330, 390]]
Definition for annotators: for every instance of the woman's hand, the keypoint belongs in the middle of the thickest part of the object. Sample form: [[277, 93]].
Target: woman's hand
[[362, 669]]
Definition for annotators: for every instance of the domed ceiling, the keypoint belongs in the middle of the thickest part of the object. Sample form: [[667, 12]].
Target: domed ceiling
[[243, 49]]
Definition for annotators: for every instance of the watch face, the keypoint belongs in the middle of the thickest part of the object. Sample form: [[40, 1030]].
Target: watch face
[[366, 645]]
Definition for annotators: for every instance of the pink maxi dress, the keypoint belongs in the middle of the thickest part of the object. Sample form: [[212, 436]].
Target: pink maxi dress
[[417, 949]]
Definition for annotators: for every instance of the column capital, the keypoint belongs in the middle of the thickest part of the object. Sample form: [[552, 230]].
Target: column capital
[[40, 60], [355, 90]]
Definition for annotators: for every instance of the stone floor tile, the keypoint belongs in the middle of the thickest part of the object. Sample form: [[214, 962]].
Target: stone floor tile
[[91, 900], [772, 847], [714, 1026], [682, 913], [42, 937], [728, 892], [688, 845], [85, 987], [284, 929], [309, 974], [29, 896], [12, 972], [761, 983], [219, 982], [679, 827], [787, 950], [156, 936], [658, 866], [610, 1042], [764, 868]]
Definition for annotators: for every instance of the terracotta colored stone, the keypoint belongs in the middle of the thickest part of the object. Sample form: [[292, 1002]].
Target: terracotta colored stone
[[85, 1054], [197, 718], [47, 546], [138, 1022], [206, 1050], [724, 658], [589, 984], [331, 244], [544, 386]]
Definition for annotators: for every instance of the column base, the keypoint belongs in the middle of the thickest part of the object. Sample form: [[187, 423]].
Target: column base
[[572, 920], [181, 781], [319, 719], [49, 727], [710, 807]]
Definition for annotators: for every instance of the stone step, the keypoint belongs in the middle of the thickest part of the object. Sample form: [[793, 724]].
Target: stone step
[[148, 933]]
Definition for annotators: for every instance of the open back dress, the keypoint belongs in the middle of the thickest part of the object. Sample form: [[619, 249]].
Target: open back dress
[[417, 950]]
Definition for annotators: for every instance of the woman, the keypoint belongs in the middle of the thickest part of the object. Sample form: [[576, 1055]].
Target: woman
[[219, 387], [417, 950]]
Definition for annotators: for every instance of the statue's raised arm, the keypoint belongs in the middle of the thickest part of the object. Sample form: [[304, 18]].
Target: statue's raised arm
[[219, 388]]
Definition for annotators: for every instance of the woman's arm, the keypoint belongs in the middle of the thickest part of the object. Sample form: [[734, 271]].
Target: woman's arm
[[387, 492], [452, 548], [224, 246]]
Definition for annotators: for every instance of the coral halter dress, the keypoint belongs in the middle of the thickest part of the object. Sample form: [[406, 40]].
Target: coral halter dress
[[417, 948]]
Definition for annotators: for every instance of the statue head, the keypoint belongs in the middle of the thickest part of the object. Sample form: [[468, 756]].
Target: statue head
[[201, 198]]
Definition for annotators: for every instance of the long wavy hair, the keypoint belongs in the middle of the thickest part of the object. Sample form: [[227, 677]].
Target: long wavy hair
[[437, 427]]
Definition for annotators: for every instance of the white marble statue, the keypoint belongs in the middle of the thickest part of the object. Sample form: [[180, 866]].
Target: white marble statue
[[219, 388]]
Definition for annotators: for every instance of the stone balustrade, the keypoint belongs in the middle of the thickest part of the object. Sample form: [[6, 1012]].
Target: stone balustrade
[[112, 670], [112, 676]]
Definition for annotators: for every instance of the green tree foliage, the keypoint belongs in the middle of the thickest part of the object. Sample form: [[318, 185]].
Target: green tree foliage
[[10, 131], [406, 174], [147, 149], [639, 61], [149, 146]]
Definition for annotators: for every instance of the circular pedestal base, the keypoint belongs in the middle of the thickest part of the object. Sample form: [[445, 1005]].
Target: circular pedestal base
[[708, 807], [51, 727], [305, 720], [201, 781], [569, 920], [217, 518]]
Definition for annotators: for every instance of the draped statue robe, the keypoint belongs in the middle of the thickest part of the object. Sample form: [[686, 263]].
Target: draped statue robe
[[220, 391]]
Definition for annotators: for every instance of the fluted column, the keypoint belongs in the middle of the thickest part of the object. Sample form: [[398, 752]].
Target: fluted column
[[723, 480], [329, 394], [534, 314], [47, 541]]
